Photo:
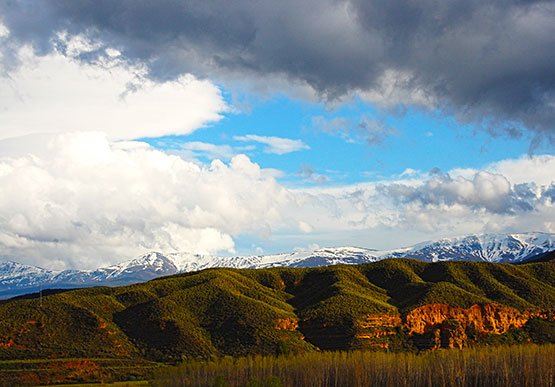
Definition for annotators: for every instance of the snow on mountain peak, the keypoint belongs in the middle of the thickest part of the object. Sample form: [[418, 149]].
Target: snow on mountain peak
[[510, 248]]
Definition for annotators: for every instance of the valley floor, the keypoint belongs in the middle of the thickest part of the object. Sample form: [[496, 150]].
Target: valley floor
[[76, 371], [516, 365]]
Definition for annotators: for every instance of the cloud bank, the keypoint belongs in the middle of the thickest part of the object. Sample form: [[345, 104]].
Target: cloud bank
[[80, 200], [484, 191], [485, 62]]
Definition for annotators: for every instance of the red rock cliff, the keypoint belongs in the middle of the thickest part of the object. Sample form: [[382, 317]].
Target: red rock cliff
[[443, 326], [488, 318]]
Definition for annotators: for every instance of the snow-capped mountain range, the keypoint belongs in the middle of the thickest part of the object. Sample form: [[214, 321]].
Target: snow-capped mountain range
[[16, 278]]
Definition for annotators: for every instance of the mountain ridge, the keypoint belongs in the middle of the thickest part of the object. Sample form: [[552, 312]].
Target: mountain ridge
[[394, 304], [16, 278]]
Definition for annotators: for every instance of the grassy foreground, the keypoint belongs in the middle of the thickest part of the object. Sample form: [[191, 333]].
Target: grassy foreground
[[524, 365]]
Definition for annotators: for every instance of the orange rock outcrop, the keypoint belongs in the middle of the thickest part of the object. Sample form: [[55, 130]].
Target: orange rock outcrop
[[487, 318], [287, 324], [436, 326], [430, 326]]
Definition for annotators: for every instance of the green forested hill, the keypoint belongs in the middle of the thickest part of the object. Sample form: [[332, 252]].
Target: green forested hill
[[236, 312]]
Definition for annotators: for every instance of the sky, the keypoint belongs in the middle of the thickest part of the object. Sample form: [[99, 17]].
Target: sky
[[259, 127]]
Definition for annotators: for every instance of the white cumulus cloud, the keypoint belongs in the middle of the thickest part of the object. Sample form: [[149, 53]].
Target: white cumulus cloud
[[59, 93], [80, 200]]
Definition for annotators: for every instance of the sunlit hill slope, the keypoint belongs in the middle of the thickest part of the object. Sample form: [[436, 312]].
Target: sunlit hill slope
[[394, 304]]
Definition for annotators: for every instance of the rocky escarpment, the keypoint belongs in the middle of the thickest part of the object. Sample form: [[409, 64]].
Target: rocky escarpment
[[436, 326], [486, 318]]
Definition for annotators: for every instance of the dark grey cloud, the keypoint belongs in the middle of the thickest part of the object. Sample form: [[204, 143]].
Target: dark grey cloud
[[486, 62]]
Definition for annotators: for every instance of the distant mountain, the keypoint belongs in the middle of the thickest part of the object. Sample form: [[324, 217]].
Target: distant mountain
[[498, 248], [17, 279]]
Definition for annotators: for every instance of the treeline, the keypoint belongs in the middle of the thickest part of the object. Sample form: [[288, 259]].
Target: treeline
[[524, 365]]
